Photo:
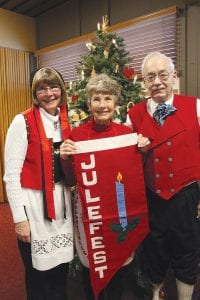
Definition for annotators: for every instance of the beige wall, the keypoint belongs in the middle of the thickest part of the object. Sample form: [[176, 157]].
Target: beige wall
[[17, 31]]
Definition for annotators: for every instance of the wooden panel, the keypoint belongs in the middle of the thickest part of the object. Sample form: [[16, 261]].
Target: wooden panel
[[14, 95], [192, 50]]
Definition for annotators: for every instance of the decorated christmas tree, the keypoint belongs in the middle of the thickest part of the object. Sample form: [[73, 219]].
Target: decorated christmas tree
[[107, 54]]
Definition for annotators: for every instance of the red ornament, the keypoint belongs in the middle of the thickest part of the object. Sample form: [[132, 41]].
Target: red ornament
[[128, 72], [74, 98]]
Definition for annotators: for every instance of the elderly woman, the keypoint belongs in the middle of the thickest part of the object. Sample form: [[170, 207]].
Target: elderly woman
[[39, 200], [103, 94]]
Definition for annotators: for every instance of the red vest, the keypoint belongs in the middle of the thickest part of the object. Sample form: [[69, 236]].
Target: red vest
[[174, 158], [37, 171]]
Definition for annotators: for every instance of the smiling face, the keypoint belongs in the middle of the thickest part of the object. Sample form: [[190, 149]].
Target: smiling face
[[48, 90], [49, 97], [160, 89], [102, 107]]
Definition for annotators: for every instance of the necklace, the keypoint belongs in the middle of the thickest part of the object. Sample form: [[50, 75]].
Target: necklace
[[56, 125]]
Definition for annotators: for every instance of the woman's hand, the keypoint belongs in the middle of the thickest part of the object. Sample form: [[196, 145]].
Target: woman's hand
[[67, 148], [23, 231], [143, 142]]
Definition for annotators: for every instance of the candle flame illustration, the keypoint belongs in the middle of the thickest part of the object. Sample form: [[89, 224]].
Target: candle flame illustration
[[119, 176]]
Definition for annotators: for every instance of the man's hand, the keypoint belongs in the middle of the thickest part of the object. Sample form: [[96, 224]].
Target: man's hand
[[143, 142], [23, 232]]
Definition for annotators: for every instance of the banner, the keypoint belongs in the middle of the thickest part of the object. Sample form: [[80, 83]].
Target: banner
[[114, 210]]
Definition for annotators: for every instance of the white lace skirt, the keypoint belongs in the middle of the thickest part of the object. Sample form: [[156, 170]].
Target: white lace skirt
[[51, 241]]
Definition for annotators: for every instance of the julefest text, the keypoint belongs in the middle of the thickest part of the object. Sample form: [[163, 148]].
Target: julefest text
[[95, 218]]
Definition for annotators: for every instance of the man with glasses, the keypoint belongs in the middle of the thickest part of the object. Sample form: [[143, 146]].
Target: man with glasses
[[172, 169]]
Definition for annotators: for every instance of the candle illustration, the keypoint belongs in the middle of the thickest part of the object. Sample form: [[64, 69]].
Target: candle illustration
[[98, 26], [121, 201]]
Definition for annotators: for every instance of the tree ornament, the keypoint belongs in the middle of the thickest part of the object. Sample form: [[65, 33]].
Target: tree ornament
[[75, 117], [93, 73], [106, 53], [83, 115], [98, 26], [116, 68], [74, 98], [82, 75], [105, 22], [129, 105], [114, 43], [135, 79], [90, 46], [128, 72]]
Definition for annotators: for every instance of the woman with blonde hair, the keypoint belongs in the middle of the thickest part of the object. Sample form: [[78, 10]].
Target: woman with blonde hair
[[39, 200]]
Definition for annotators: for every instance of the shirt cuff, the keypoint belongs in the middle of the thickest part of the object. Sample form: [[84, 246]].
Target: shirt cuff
[[19, 214]]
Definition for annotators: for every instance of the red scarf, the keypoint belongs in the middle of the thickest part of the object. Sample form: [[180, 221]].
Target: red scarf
[[46, 158]]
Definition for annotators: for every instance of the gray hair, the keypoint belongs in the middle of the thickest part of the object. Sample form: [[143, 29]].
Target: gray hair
[[157, 53], [48, 76], [102, 83]]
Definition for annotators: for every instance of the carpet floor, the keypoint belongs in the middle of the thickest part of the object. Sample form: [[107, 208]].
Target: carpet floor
[[12, 272], [11, 268]]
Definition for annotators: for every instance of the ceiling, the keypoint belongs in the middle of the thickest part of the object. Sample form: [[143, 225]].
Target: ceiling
[[31, 8], [35, 8]]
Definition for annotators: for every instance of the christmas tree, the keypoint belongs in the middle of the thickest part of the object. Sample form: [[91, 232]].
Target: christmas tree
[[107, 54]]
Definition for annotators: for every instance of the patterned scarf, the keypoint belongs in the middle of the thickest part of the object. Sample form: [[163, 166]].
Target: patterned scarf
[[162, 111]]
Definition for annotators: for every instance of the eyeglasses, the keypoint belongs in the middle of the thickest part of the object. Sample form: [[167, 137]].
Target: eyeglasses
[[44, 91], [163, 76]]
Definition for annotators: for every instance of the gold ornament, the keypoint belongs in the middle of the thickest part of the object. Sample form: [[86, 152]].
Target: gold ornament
[[106, 53], [116, 68], [75, 118], [93, 73], [105, 22], [90, 46], [83, 115], [129, 105]]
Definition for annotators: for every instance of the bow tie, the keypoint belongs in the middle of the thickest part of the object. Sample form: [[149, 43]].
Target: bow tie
[[162, 111]]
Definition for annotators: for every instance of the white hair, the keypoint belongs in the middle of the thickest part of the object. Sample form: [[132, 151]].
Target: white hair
[[157, 53]]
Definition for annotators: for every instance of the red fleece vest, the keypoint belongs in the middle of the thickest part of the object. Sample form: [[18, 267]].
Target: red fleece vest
[[174, 158], [38, 169]]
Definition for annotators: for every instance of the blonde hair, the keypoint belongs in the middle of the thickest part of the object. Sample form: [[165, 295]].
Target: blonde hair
[[48, 76], [102, 83]]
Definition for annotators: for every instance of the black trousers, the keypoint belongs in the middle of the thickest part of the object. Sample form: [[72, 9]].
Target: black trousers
[[174, 235], [115, 288], [43, 285]]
